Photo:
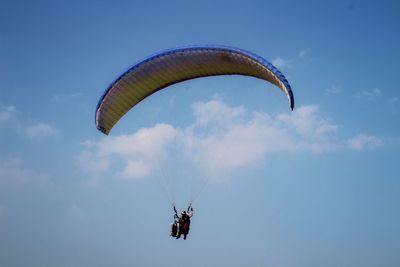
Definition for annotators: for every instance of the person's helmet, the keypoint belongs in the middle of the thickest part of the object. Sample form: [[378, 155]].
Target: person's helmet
[[183, 212]]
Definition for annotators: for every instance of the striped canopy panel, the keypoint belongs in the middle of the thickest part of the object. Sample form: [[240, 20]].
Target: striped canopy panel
[[177, 65]]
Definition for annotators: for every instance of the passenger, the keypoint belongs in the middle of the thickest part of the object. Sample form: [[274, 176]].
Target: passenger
[[183, 224]]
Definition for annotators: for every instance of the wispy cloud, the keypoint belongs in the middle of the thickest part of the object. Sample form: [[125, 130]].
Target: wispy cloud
[[286, 63], [394, 103], [304, 52], [333, 90], [6, 113], [40, 130], [12, 171], [369, 94], [93, 163], [281, 63], [377, 95], [364, 141]]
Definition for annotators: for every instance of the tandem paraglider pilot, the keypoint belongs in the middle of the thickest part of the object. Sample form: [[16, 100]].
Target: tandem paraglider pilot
[[181, 225]]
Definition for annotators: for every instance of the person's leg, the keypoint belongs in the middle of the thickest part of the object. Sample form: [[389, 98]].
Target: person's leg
[[173, 230]]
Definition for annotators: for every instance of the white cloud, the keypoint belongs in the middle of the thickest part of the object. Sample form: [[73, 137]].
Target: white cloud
[[6, 113], [240, 145], [139, 152], [221, 140], [40, 130], [306, 122], [136, 169], [13, 172], [254, 136], [147, 142], [216, 113], [363, 141]]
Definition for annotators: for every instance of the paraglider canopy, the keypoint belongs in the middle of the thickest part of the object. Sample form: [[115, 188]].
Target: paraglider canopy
[[177, 65]]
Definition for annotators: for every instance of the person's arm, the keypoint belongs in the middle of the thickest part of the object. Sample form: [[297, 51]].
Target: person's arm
[[191, 212], [176, 214]]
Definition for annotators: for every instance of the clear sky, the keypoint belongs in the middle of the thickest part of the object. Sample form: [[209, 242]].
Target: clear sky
[[318, 186]]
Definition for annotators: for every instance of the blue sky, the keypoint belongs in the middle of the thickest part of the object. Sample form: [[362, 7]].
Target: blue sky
[[318, 186]]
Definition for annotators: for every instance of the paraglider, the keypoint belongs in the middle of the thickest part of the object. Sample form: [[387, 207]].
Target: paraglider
[[177, 65], [174, 66]]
